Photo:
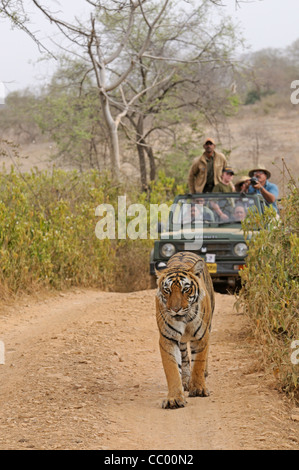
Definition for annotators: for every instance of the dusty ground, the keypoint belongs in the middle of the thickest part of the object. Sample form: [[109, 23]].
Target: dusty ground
[[83, 371]]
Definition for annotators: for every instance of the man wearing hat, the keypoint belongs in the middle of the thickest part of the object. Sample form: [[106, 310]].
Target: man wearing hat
[[268, 190], [206, 171]]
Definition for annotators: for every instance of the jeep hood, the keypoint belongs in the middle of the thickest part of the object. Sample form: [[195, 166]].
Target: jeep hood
[[224, 233]]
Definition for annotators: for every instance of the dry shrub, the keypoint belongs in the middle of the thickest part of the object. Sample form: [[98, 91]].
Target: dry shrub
[[47, 232], [132, 267], [270, 289]]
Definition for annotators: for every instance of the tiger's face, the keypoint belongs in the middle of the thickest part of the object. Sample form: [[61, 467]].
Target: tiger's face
[[178, 292]]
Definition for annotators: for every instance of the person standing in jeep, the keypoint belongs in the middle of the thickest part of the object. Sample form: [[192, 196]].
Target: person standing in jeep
[[206, 170], [268, 190]]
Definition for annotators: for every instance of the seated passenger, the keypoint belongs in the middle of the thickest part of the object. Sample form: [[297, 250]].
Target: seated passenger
[[239, 213], [223, 208], [198, 212], [208, 215]]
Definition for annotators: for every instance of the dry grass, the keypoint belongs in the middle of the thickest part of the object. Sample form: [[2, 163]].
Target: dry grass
[[270, 290]]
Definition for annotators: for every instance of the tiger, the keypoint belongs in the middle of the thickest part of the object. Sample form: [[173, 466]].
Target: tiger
[[185, 302]]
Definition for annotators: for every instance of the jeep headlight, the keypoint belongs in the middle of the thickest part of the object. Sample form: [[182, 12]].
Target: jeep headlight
[[168, 250], [241, 249]]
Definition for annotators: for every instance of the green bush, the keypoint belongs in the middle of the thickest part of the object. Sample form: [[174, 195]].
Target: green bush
[[252, 97], [270, 290], [47, 232]]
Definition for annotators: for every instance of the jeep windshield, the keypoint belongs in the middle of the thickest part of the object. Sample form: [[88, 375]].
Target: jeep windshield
[[211, 209]]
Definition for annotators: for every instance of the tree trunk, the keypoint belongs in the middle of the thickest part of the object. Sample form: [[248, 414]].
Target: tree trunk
[[140, 150], [150, 154], [113, 138]]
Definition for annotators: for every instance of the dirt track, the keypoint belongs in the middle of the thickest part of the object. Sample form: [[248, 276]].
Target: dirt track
[[83, 371]]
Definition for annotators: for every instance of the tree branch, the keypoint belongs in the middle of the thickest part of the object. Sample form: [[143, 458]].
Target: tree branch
[[60, 24], [125, 38]]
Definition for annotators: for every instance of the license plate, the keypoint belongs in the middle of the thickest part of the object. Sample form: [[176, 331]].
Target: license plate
[[212, 267], [210, 258]]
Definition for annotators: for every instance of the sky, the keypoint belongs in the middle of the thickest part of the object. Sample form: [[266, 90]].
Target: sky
[[264, 23]]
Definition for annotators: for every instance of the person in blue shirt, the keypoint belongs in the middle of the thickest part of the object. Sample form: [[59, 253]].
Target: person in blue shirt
[[268, 190]]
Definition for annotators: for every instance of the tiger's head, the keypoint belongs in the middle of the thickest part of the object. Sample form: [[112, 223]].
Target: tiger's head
[[179, 288]]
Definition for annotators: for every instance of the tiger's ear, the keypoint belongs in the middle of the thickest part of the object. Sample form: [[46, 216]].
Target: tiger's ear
[[160, 271], [198, 267]]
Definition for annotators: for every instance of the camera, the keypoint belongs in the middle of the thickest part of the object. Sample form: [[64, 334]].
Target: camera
[[253, 181]]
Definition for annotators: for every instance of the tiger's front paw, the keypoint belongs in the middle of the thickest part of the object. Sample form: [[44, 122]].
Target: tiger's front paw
[[174, 402], [199, 391]]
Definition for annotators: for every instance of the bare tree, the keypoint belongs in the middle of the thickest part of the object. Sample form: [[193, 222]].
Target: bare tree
[[176, 77], [113, 60], [90, 39]]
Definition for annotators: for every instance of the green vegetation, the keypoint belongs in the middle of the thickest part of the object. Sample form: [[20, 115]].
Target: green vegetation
[[47, 232], [270, 289]]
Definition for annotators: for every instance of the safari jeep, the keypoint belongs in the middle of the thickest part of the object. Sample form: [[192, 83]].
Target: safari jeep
[[208, 224]]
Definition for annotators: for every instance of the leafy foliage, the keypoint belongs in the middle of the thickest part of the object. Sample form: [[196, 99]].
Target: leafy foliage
[[47, 232], [270, 289]]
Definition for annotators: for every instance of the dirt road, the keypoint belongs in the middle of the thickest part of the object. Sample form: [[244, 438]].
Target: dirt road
[[83, 371]]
